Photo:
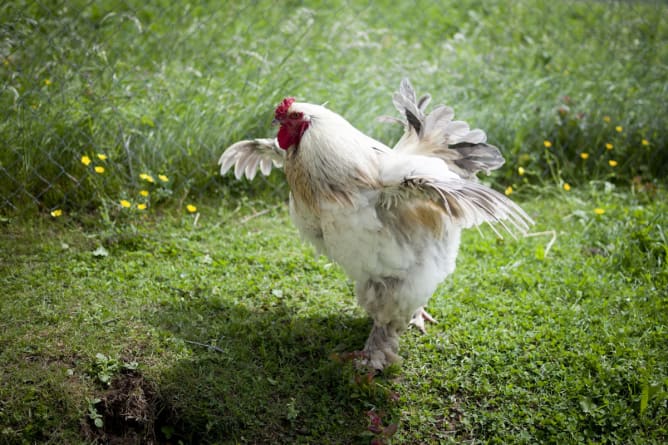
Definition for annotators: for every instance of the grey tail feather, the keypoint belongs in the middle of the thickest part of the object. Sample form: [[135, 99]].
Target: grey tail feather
[[462, 145], [477, 157], [473, 157], [423, 102], [414, 121]]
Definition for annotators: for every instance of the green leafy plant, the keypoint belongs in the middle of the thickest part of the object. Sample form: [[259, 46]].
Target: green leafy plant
[[93, 413]]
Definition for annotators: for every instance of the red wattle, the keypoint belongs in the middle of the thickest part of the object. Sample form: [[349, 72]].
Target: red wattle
[[285, 139], [290, 134]]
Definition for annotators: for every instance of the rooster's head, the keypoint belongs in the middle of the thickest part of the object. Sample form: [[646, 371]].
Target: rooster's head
[[292, 121]]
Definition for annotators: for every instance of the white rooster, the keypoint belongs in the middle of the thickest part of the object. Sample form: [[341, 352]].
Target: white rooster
[[392, 218]]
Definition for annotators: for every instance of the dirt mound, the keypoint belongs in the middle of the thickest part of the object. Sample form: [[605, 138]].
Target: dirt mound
[[130, 412]]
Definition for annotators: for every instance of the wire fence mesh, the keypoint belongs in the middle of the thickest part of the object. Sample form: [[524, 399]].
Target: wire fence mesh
[[131, 103], [92, 116]]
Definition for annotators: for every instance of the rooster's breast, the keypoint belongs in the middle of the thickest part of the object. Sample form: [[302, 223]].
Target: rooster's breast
[[408, 244]]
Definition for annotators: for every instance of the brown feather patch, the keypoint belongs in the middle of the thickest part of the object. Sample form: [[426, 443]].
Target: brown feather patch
[[311, 186], [300, 183], [422, 214]]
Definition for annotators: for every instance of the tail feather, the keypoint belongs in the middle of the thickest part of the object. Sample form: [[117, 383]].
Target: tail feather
[[437, 134]]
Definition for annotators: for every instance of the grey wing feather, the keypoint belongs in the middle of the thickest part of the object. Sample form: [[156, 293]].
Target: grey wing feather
[[249, 155], [466, 203]]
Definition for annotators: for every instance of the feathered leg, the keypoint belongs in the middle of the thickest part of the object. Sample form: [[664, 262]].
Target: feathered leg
[[382, 347], [381, 300]]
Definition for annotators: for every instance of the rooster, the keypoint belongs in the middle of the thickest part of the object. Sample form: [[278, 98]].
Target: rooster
[[391, 218]]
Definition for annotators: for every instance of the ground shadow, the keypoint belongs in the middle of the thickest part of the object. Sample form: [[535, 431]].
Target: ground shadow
[[262, 375]]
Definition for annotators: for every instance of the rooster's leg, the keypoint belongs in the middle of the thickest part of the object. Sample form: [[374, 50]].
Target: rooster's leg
[[381, 348], [419, 317]]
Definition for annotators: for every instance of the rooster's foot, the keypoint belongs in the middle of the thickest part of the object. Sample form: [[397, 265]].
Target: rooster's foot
[[419, 317], [381, 349]]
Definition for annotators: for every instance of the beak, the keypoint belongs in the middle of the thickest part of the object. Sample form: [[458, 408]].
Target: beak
[[275, 122]]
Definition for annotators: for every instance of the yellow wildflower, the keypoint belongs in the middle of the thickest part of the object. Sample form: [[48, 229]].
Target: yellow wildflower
[[606, 119], [609, 146], [99, 169], [509, 190], [191, 208], [645, 142], [102, 157], [547, 144], [584, 155], [125, 203], [85, 160], [520, 171], [141, 206], [56, 213], [47, 82], [567, 186], [599, 211], [619, 128], [612, 163], [163, 178], [147, 177], [144, 193]]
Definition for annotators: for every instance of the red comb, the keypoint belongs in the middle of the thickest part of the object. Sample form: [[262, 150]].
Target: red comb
[[282, 108]]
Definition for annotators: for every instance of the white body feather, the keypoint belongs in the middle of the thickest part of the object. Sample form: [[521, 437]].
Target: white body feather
[[369, 248]]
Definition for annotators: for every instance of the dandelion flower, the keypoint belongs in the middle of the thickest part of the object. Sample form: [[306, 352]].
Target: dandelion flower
[[609, 146], [547, 144], [47, 82], [99, 169], [645, 142], [509, 190], [163, 178], [599, 211], [141, 206], [56, 213], [146, 177], [619, 128], [102, 157], [567, 186], [520, 171], [85, 160], [612, 163], [606, 119], [584, 155], [191, 208], [144, 193], [125, 203]]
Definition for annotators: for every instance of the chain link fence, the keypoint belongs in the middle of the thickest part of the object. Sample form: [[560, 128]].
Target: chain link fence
[[117, 104], [130, 104]]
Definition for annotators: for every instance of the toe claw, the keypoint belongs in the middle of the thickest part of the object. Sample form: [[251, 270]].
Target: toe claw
[[419, 318]]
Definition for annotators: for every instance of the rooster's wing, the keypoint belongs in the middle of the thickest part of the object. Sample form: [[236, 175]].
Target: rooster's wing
[[246, 156]]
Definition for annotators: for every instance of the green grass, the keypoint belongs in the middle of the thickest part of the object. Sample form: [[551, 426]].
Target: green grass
[[121, 325], [231, 331], [164, 87]]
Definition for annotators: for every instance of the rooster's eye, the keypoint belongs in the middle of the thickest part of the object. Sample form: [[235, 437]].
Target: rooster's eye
[[295, 115]]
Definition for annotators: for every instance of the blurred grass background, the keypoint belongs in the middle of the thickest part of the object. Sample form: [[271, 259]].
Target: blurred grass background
[[163, 87]]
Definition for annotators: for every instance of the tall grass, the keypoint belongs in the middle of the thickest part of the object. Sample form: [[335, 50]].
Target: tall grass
[[165, 87]]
